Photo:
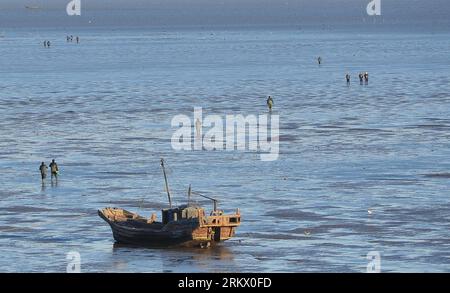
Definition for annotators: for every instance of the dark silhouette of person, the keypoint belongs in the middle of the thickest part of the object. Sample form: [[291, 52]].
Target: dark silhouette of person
[[54, 169], [270, 103], [319, 60], [366, 77], [48, 44], [43, 168], [78, 39], [361, 77], [347, 77]]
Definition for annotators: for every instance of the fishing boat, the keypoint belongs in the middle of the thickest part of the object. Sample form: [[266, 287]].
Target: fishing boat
[[186, 225]]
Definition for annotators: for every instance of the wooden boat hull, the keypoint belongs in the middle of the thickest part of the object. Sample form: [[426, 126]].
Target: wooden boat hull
[[187, 235]]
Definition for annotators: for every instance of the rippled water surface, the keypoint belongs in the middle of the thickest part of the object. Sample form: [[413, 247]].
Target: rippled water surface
[[103, 110]]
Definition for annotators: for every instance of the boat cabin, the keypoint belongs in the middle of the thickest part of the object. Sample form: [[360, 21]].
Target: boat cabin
[[183, 212], [215, 219]]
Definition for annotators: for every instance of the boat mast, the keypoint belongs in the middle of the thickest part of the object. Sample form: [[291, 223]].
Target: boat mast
[[167, 183], [189, 195]]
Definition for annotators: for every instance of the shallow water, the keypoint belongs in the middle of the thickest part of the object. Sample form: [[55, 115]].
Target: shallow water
[[103, 109]]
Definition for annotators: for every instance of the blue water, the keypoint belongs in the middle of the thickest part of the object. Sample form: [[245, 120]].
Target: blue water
[[103, 110]]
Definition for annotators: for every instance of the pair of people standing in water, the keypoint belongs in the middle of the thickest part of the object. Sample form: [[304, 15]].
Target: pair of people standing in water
[[364, 77], [54, 170]]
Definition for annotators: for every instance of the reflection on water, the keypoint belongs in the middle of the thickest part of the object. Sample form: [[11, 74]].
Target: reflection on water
[[213, 258], [54, 183], [217, 252], [43, 187], [103, 110]]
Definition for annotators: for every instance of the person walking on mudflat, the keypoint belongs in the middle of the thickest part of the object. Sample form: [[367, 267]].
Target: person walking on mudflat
[[43, 168], [270, 103], [54, 169]]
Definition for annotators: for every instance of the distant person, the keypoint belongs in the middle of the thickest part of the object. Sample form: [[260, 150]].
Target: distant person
[[43, 168], [45, 44], [270, 103], [361, 78], [48, 44], [54, 169], [347, 77], [198, 128], [78, 39], [71, 38], [319, 60], [366, 77], [68, 39]]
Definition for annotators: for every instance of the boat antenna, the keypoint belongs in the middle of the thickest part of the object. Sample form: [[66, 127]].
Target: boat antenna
[[167, 183], [210, 198]]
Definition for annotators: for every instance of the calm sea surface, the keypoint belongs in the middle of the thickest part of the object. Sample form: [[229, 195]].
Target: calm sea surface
[[103, 110]]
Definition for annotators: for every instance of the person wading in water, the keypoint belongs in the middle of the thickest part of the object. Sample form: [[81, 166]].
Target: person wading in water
[[43, 168], [54, 169], [270, 103], [366, 77], [361, 77], [198, 128]]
